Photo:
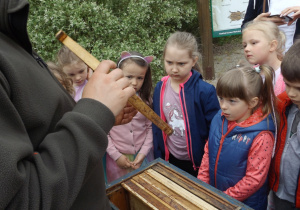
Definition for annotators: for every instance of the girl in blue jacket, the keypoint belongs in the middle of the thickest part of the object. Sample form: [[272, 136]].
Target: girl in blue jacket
[[241, 139], [185, 102]]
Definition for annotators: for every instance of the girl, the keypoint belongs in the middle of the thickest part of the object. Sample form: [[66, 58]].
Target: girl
[[185, 102], [264, 43], [239, 150], [130, 145], [66, 82], [75, 69]]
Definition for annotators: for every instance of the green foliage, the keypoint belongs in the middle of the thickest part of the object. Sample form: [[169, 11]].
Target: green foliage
[[108, 27]]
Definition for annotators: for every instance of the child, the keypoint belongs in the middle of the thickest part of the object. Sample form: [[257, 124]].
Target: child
[[284, 171], [239, 150], [185, 102], [130, 145], [264, 43], [66, 82], [75, 69]]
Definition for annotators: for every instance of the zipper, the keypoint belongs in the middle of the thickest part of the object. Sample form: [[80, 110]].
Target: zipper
[[220, 148]]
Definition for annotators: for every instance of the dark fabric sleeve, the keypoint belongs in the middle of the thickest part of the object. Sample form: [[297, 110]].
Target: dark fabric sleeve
[[251, 12], [50, 176], [158, 144], [212, 105]]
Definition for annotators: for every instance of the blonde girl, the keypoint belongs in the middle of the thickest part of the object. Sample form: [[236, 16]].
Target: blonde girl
[[66, 82], [264, 43], [75, 69], [239, 150], [185, 102]]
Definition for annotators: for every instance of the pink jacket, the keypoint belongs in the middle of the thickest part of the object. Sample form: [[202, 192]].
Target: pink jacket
[[131, 138]]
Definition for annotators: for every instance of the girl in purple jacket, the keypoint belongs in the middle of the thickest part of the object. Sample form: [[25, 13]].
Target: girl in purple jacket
[[185, 102]]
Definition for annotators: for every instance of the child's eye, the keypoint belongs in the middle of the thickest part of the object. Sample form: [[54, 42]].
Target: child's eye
[[244, 45], [232, 101], [181, 64], [220, 98], [129, 77], [141, 78], [254, 43]]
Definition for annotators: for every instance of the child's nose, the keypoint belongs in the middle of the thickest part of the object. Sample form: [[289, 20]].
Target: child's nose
[[174, 68], [223, 105], [133, 81]]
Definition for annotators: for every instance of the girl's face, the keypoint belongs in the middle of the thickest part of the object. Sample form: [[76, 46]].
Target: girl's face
[[178, 64], [78, 72], [257, 47], [235, 109], [135, 74]]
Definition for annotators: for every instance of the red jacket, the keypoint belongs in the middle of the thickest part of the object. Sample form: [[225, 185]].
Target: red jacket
[[283, 103]]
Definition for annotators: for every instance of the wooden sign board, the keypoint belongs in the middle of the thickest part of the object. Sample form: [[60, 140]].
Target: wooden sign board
[[160, 185]]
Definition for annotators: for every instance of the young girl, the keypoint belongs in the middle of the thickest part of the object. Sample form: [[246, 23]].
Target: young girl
[[185, 102], [75, 69], [264, 43], [66, 82], [130, 145], [239, 150]]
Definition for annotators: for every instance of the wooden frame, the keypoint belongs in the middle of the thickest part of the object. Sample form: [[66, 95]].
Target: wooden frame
[[160, 185]]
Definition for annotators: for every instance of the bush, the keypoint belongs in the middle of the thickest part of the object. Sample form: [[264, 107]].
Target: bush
[[108, 27]]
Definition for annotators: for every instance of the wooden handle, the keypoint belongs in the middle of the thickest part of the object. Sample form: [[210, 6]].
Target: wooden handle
[[134, 100]]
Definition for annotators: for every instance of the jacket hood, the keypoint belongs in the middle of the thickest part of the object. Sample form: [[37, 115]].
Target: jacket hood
[[13, 21]]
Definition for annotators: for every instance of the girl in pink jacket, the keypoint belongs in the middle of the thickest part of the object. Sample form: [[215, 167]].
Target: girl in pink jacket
[[130, 145]]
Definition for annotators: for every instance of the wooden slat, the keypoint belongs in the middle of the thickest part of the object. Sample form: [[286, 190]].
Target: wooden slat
[[176, 188], [174, 199], [134, 100], [193, 187], [144, 195]]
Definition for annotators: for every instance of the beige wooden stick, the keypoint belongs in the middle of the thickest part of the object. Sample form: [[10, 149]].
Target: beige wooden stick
[[92, 62]]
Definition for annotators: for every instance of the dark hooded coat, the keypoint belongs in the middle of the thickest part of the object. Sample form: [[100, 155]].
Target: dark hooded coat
[[50, 147]]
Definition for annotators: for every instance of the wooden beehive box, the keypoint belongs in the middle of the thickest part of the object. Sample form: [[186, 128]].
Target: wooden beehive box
[[161, 185]]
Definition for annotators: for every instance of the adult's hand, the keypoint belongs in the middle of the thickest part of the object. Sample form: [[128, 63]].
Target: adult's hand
[[266, 17], [109, 88], [288, 10], [126, 115]]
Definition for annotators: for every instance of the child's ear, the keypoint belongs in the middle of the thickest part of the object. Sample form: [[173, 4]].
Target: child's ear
[[253, 102], [195, 59], [273, 45]]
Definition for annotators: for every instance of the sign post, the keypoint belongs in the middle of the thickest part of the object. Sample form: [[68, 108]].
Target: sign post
[[206, 39]]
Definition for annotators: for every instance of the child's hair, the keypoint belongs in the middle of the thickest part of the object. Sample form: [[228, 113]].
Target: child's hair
[[61, 77], [271, 31], [290, 66], [245, 83], [66, 57], [185, 41], [146, 89]]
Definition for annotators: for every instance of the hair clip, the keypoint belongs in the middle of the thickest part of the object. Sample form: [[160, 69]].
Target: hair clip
[[257, 68], [125, 55]]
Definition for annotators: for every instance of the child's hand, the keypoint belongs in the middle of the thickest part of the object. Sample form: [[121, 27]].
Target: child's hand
[[123, 162], [138, 161]]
